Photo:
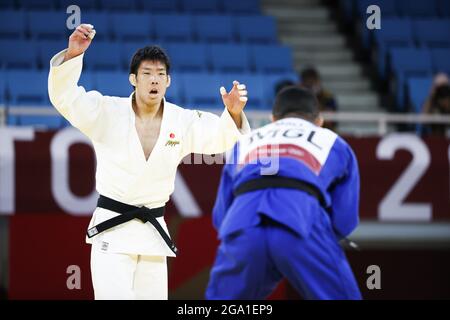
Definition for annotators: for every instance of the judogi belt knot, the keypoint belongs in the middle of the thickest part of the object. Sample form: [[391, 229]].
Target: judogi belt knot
[[127, 213]]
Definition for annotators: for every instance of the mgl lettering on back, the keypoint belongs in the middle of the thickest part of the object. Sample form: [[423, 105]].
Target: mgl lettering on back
[[288, 133]]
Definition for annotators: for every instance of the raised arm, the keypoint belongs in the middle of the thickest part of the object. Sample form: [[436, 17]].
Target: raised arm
[[79, 41], [82, 109]]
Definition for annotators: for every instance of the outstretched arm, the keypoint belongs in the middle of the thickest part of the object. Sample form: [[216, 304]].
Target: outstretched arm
[[210, 134], [84, 110]]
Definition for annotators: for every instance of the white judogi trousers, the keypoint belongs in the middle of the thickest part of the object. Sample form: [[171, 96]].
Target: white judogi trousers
[[119, 276]]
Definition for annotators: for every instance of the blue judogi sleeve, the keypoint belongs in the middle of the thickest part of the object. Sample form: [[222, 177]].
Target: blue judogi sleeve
[[345, 198]]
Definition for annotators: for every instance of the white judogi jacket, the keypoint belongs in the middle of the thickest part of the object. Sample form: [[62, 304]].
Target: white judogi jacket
[[122, 172]]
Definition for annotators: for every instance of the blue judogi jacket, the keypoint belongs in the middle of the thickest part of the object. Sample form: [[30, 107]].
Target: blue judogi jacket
[[292, 148]]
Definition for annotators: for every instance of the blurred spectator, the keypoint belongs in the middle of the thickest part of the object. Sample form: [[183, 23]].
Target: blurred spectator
[[438, 102], [283, 84], [310, 79]]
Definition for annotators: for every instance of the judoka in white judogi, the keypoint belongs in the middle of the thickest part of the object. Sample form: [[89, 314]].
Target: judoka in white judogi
[[129, 261]]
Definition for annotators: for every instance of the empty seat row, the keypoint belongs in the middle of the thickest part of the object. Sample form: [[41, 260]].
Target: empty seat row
[[140, 26], [418, 88], [207, 6], [410, 62], [403, 8], [184, 56], [406, 33], [194, 90]]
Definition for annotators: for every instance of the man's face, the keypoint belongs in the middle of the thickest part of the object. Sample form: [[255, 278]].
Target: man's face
[[151, 81]]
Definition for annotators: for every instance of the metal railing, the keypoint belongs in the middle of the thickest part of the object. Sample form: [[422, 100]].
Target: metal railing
[[382, 120], [2, 115], [258, 118]]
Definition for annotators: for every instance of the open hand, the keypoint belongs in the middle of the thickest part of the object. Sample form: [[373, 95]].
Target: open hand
[[236, 99]]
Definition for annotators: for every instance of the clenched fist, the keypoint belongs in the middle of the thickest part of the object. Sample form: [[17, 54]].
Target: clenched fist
[[80, 40]]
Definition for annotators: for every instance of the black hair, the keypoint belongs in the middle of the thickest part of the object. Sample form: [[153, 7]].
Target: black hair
[[309, 73], [295, 101], [152, 53], [442, 92]]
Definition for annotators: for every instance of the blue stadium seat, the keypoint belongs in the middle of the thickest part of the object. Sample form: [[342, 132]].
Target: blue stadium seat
[[101, 23], [272, 80], [117, 5], [87, 80], [418, 91], [132, 26], [230, 57], [7, 4], [2, 89], [388, 9], [441, 60], [27, 87], [172, 27], [12, 24], [272, 58], [417, 8], [110, 83], [256, 29], [242, 6], [47, 49], [255, 87], [200, 6], [161, 6], [103, 56], [202, 90], [37, 4], [12, 120], [47, 24], [393, 33], [128, 49], [18, 54], [213, 28], [188, 56], [444, 8], [407, 62], [432, 32], [38, 121], [83, 4], [174, 93]]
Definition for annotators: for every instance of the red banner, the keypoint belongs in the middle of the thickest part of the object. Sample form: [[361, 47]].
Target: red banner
[[47, 178], [403, 177]]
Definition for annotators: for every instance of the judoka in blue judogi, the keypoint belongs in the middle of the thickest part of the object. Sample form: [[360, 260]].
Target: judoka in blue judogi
[[288, 194]]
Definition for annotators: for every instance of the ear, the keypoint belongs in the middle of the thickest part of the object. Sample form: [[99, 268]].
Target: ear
[[319, 121], [169, 81], [132, 79]]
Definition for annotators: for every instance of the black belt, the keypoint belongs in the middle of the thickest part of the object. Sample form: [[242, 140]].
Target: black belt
[[280, 182], [283, 182], [127, 213]]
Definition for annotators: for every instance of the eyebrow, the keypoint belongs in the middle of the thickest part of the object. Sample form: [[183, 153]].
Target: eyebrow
[[159, 69]]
